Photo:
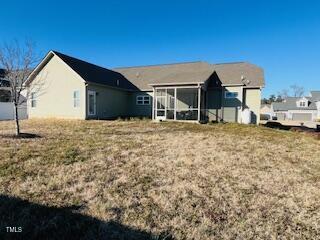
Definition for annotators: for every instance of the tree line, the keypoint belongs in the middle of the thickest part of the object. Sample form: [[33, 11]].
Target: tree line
[[293, 91]]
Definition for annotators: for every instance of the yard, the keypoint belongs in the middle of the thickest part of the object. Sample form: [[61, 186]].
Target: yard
[[144, 180]]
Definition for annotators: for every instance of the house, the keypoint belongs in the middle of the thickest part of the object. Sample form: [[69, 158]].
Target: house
[[6, 105], [299, 108], [68, 87], [266, 111]]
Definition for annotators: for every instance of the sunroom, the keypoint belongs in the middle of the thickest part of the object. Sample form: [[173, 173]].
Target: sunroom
[[180, 103]]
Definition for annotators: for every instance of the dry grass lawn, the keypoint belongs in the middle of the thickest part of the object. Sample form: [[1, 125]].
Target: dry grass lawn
[[144, 180]]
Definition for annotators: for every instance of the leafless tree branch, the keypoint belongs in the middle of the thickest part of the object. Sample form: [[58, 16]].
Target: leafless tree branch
[[18, 60]]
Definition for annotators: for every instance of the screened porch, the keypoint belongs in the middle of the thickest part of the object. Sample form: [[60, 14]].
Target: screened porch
[[177, 103]]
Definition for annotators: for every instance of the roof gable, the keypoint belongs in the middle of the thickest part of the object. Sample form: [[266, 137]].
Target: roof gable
[[95, 74]]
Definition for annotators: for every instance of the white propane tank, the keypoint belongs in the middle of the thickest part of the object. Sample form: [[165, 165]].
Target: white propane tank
[[246, 116]]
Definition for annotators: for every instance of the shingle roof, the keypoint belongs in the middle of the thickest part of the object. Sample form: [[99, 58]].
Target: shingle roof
[[143, 77], [233, 72], [315, 95], [96, 74], [290, 104], [228, 73]]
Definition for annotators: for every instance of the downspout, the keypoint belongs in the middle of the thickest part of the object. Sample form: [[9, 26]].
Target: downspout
[[199, 102], [85, 101], [153, 103]]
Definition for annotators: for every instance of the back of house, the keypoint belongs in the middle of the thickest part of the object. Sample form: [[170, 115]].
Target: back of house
[[62, 86]]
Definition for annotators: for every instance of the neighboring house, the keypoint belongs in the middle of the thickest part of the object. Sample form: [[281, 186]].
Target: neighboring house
[[6, 105], [266, 111], [299, 108], [195, 91]]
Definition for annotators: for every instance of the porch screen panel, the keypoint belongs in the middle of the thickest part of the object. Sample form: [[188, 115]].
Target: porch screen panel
[[170, 103], [187, 104]]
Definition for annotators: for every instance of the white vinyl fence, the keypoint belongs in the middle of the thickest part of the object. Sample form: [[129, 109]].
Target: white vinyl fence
[[7, 111]]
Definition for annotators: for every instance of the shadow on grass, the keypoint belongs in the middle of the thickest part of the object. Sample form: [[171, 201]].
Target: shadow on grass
[[42, 222], [20, 136]]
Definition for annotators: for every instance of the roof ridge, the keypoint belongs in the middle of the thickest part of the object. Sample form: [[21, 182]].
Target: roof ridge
[[225, 63], [78, 59], [161, 64]]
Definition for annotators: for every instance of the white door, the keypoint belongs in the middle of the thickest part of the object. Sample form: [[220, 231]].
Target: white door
[[92, 106], [161, 107]]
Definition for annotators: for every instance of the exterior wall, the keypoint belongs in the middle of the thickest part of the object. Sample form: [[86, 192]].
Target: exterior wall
[[110, 102], [318, 112], [214, 98], [7, 111], [229, 109], [135, 110], [281, 115], [253, 102], [288, 114], [313, 112], [232, 106], [53, 88]]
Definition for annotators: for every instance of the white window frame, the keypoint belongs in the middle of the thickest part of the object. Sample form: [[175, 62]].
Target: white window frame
[[302, 104], [230, 95], [143, 100], [76, 99], [33, 100]]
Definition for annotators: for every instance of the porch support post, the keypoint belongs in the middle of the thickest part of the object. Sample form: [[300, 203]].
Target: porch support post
[[175, 104], [153, 103], [199, 101]]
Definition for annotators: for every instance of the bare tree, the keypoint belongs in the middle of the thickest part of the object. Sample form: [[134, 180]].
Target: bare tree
[[297, 91], [284, 93], [17, 60]]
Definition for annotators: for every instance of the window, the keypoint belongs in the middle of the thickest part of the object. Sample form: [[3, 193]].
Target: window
[[231, 95], [143, 100], [33, 100], [76, 99], [302, 104]]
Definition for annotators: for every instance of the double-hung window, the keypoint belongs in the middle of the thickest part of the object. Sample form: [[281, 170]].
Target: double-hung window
[[33, 100], [143, 100], [76, 98]]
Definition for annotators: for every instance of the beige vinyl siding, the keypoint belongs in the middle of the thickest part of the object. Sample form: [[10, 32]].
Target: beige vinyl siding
[[53, 89], [232, 106], [110, 102], [253, 102]]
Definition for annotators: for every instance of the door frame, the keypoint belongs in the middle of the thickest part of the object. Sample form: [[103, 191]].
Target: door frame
[[92, 93], [161, 110]]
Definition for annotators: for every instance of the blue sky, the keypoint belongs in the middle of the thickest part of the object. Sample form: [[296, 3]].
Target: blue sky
[[283, 36]]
